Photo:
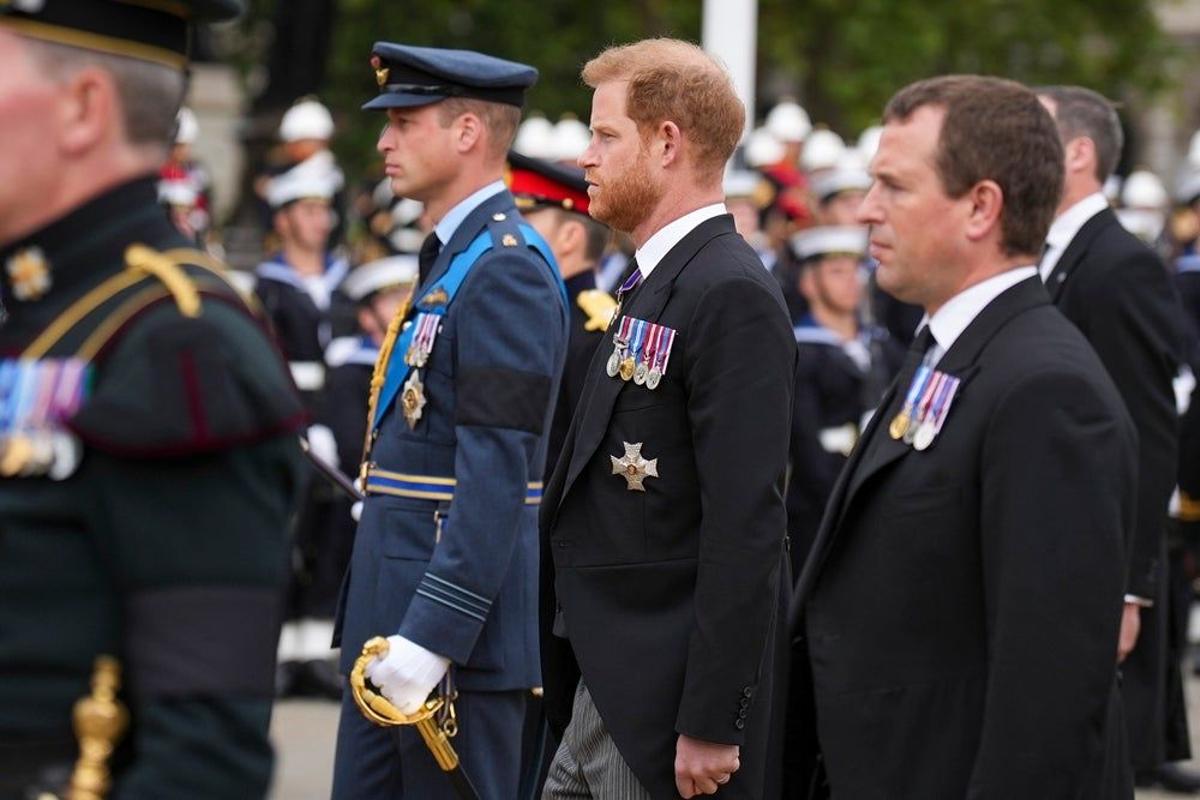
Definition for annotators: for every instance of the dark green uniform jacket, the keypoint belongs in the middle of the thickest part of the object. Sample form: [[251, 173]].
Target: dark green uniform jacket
[[153, 526]]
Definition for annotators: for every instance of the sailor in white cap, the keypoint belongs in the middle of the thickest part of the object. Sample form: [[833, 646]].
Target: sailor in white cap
[[747, 193], [184, 185], [299, 290], [842, 370], [839, 191], [1144, 204]]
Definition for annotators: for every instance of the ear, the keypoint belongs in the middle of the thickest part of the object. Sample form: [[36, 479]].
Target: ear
[[571, 237], [87, 106], [670, 140], [468, 132], [1080, 156], [807, 281], [986, 200]]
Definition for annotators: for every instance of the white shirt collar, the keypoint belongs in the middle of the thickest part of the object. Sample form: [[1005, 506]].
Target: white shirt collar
[[1064, 228], [671, 234], [961, 310], [448, 224]]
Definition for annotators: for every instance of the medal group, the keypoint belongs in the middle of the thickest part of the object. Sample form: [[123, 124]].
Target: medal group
[[641, 352], [926, 406], [37, 397], [412, 400]]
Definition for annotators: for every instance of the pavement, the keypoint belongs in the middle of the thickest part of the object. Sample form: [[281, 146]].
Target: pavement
[[304, 732]]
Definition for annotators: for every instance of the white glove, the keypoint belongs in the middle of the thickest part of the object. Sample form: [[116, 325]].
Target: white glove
[[356, 511], [323, 445], [407, 674]]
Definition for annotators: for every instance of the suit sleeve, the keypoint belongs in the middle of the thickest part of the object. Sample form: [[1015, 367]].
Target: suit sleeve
[[511, 343], [1051, 543], [742, 358], [1135, 330]]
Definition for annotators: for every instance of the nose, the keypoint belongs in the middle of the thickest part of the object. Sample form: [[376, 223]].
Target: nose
[[588, 157], [384, 143], [869, 211]]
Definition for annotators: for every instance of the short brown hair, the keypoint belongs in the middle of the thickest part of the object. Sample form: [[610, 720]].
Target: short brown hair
[[996, 130], [1080, 112], [500, 119], [676, 81]]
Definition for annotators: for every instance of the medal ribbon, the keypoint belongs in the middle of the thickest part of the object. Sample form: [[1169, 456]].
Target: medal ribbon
[[666, 350], [931, 389], [942, 406]]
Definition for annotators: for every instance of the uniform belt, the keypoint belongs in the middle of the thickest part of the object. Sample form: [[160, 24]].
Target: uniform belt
[[309, 376], [428, 487]]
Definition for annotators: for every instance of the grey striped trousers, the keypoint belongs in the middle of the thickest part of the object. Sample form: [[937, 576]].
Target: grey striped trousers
[[587, 765]]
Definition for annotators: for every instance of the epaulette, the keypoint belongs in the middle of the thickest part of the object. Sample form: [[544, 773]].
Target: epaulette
[[200, 374], [599, 306], [505, 229]]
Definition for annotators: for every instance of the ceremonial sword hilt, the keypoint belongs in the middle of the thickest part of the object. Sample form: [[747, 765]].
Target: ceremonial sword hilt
[[380, 711]]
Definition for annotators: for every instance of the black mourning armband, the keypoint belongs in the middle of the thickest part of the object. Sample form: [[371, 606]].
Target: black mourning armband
[[502, 398]]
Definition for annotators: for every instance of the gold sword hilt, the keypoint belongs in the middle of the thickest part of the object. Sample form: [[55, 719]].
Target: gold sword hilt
[[380, 711], [100, 719]]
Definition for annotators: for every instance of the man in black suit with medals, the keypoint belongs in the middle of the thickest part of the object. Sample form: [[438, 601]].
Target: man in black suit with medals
[[1118, 293], [665, 515], [961, 604]]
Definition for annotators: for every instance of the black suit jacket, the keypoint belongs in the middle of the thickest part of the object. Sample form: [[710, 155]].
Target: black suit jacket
[[674, 598], [1119, 295], [961, 605]]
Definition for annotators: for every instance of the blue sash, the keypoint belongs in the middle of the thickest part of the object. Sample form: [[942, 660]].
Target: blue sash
[[448, 286]]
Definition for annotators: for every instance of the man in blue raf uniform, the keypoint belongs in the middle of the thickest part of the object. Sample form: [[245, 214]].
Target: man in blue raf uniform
[[148, 453], [445, 559]]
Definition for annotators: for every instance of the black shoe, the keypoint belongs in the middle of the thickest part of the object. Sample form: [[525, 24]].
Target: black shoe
[[319, 678], [1171, 778]]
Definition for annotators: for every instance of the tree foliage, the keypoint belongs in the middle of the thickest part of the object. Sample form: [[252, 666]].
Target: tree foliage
[[841, 58]]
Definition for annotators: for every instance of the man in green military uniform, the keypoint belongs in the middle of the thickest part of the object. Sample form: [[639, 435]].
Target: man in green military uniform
[[148, 453]]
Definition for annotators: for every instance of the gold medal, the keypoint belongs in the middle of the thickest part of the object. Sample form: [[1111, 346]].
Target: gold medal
[[627, 368], [16, 455], [899, 425], [412, 399]]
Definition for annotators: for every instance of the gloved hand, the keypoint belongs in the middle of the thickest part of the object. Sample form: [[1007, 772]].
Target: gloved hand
[[322, 444], [407, 674]]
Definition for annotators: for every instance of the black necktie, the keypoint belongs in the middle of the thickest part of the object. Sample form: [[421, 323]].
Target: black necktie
[[916, 353], [429, 253]]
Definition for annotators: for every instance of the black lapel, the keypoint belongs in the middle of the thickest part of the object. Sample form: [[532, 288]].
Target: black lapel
[[958, 361], [1073, 256], [499, 203], [600, 391]]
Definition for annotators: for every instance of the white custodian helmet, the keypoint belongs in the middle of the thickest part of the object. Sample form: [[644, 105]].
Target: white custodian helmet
[[762, 149], [822, 150], [307, 119], [535, 138], [186, 127], [788, 122], [1143, 189], [868, 142], [571, 138]]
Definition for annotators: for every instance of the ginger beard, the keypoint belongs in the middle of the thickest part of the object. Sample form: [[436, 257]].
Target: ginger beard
[[624, 200]]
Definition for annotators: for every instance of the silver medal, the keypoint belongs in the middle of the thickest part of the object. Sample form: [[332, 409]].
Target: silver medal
[[614, 362], [653, 377], [924, 435], [640, 373]]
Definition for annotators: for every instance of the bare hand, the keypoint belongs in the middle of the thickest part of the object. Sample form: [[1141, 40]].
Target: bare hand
[[703, 767], [1131, 626]]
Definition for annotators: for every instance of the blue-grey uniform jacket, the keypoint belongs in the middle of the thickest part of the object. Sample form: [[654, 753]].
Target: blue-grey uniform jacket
[[446, 553]]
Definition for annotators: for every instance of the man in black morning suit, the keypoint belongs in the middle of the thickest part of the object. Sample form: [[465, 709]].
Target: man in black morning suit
[[665, 515], [1118, 293], [961, 606]]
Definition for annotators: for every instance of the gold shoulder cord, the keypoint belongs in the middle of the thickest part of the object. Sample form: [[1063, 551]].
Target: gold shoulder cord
[[100, 720], [141, 262], [379, 374], [199, 258]]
